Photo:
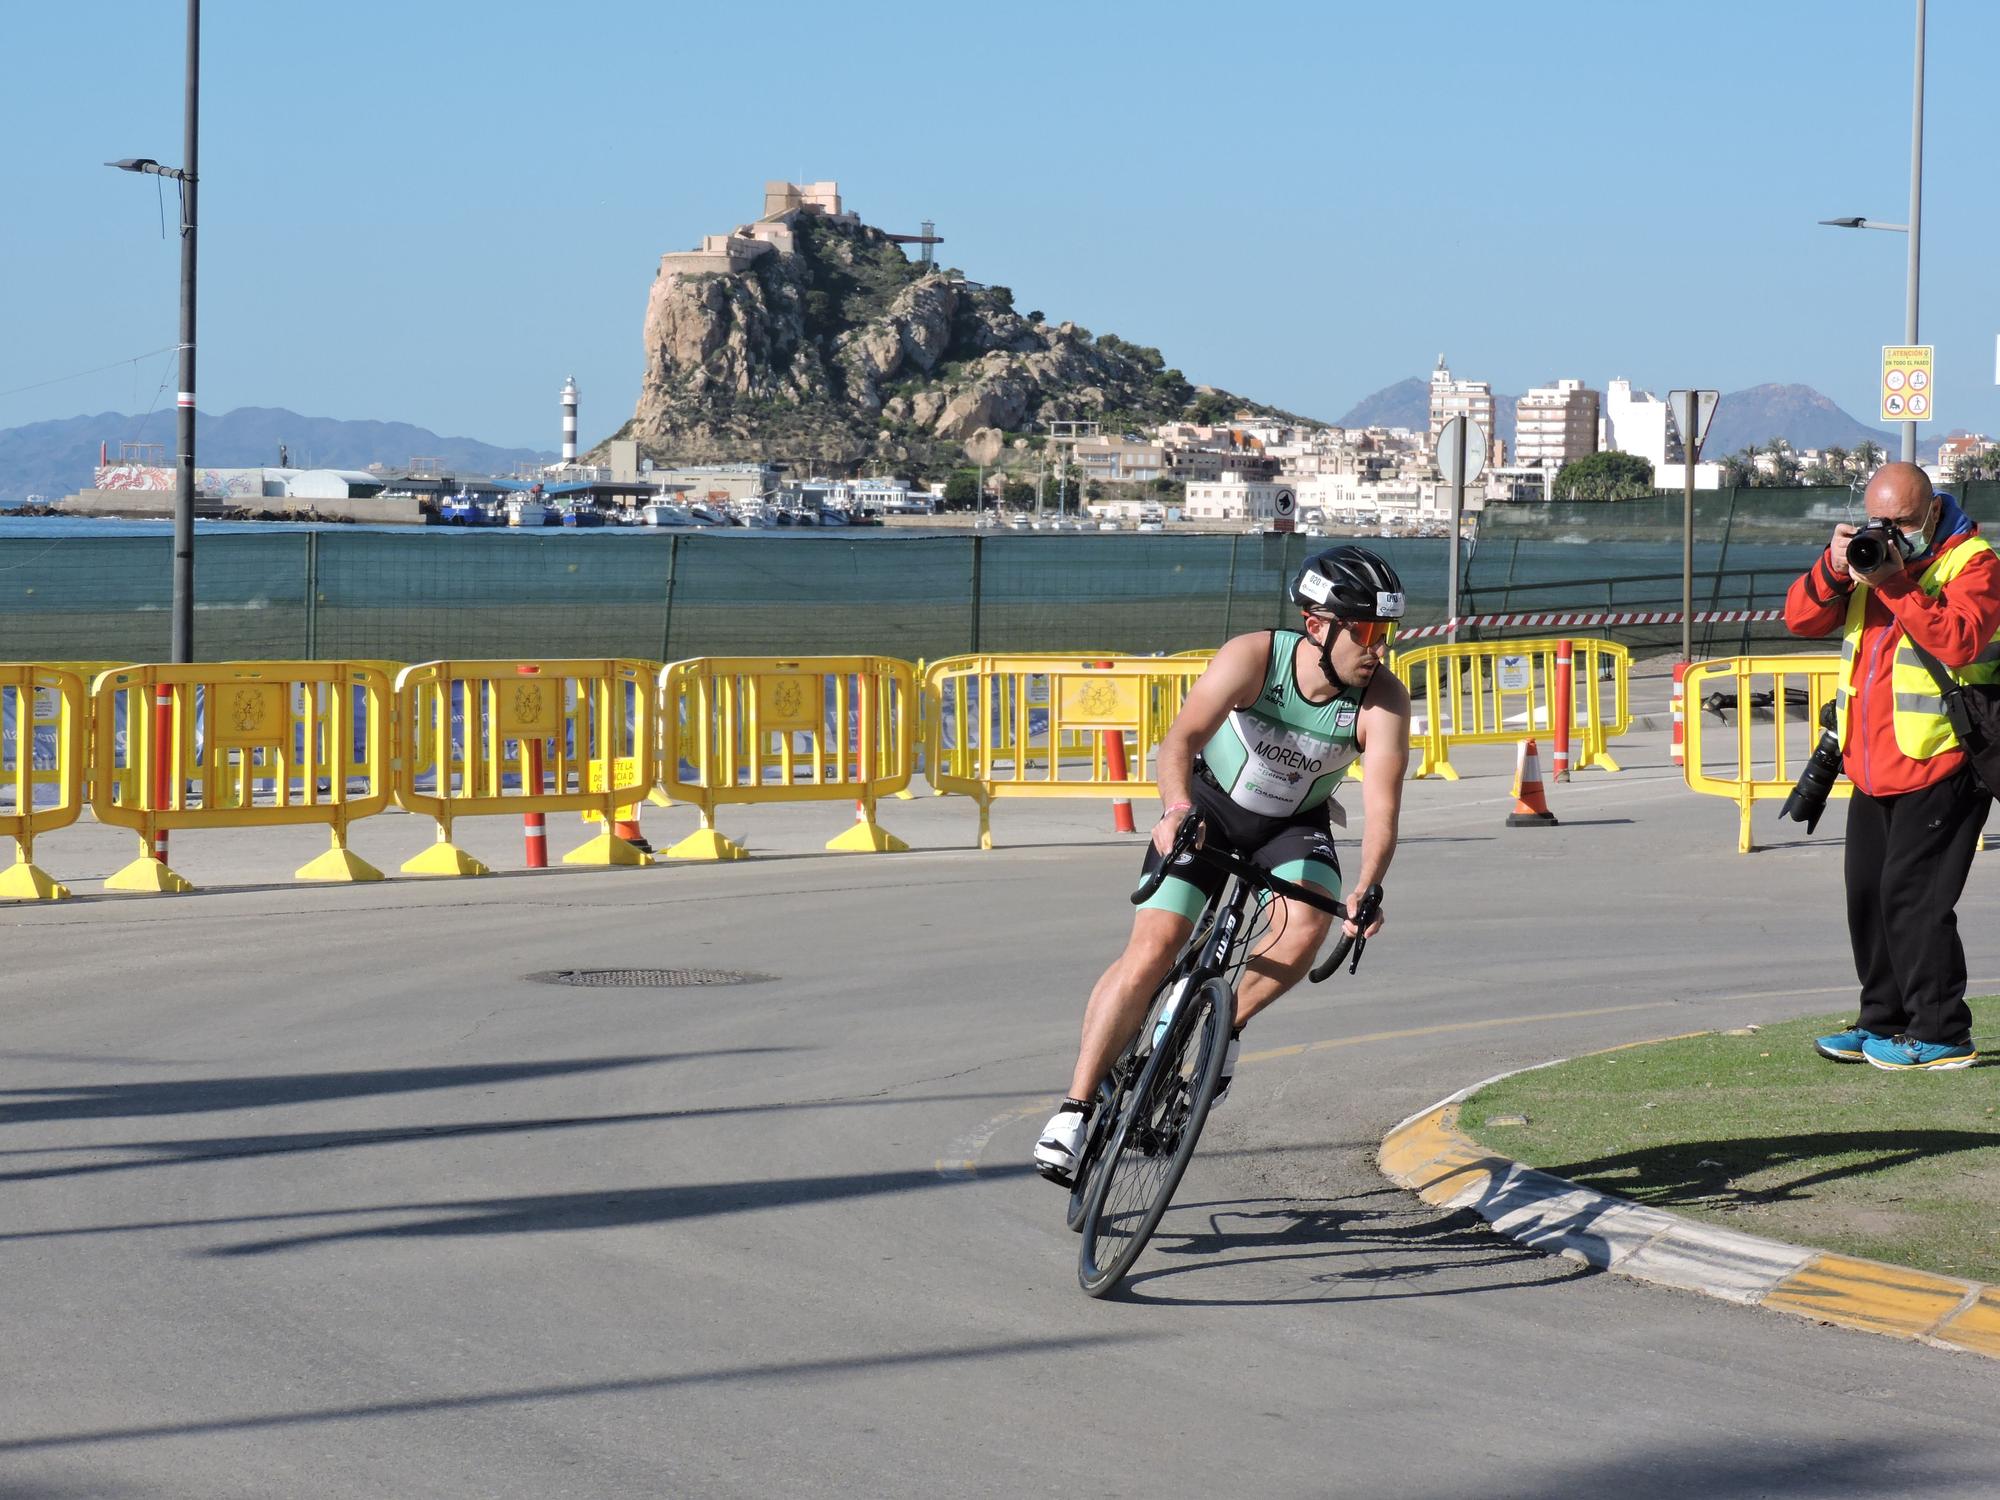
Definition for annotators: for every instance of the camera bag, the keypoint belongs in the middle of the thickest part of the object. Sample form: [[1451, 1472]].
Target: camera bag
[[1974, 711]]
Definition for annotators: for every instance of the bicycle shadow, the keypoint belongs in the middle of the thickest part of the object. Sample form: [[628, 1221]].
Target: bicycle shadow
[[1330, 1251]]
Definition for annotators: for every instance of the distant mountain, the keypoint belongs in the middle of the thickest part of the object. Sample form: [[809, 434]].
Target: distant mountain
[[1797, 413], [56, 458], [1407, 403]]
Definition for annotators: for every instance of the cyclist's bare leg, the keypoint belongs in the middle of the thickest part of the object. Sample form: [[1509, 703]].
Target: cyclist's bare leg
[[1283, 958], [1119, 1000]]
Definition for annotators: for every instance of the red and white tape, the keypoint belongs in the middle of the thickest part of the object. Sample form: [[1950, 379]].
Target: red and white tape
[[1578, 618]]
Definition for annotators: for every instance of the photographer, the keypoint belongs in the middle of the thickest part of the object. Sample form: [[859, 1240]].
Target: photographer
[[1918, 572]]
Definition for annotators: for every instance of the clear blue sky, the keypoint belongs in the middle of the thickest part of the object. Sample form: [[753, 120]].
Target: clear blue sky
[[434, 212]]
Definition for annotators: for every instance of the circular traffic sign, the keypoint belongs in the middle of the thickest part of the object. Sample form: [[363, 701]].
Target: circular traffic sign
[[1284, 503], [1919, 379], [1919, 404], [1894, 380], [1893, 406]]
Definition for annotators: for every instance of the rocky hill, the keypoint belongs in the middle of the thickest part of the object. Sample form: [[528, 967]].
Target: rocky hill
[[843, 351]]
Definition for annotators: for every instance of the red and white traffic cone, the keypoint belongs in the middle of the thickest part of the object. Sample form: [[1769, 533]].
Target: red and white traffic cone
[[1531, 803]]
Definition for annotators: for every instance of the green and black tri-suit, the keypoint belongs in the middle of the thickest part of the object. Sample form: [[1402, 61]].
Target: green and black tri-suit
[[1264, 782]]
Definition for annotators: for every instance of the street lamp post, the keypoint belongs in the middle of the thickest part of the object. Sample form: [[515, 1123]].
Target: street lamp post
[[183, 595], [1914, 229]]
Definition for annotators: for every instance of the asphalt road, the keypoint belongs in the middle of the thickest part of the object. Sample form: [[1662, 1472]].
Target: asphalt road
[[312, 1192]]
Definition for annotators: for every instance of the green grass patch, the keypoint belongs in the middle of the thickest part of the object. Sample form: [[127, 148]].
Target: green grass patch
[[1757, 1132]]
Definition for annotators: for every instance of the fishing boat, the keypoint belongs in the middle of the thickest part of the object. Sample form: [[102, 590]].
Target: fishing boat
[[525, 510], [582, 514], [664, 513]]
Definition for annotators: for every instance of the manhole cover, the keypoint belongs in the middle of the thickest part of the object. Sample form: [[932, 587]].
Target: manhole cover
[[645, 979]]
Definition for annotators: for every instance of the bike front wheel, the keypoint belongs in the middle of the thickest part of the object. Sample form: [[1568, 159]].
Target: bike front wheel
[[1159, 1120]]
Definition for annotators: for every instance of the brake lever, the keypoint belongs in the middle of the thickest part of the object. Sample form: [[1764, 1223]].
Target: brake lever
[[1364, 915]]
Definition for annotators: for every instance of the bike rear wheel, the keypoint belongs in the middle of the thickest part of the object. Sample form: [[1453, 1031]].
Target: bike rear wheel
[[1159, 1120]]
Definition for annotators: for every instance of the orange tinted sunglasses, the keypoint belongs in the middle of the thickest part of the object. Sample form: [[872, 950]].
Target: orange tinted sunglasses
[[1369, 632]]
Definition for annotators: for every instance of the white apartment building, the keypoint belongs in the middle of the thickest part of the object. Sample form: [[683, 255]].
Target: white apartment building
[[1460, 398], [1636, 422], [1555, 424], [1233, 497]]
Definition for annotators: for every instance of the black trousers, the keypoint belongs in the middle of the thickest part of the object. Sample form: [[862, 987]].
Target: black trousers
[[1907, 859]]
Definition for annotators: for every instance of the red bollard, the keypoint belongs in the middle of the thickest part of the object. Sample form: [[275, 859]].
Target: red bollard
[[1680, 713], [163, 757], [1561, 712], [534, 825]]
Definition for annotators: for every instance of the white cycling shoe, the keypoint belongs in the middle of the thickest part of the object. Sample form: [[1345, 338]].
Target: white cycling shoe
[[1061, 1147]]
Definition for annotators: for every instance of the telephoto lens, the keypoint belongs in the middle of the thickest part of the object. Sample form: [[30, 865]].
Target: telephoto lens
[[1815, 783], [1868, 548]]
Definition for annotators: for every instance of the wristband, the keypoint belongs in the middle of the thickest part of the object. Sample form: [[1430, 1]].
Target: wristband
[[1173, 807]]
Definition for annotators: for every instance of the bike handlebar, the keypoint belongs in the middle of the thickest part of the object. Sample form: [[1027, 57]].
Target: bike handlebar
[[1369, 910]]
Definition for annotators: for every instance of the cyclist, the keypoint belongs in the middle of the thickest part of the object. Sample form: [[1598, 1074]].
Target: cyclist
[[1277, 717]]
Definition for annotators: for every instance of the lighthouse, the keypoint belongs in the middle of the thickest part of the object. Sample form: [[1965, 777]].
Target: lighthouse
[[569, 420]]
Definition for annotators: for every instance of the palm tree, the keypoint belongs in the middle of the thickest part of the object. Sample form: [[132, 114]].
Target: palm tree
[[1836, 460], [1868, 458], [1784, 461]]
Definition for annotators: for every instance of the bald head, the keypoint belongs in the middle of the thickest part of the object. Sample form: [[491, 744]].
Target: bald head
[[1899, 493]]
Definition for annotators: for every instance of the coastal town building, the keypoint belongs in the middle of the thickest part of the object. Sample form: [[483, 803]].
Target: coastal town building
[[1233, 497], [1636, 422], [1463, 398], [1121, 460], [1555, 424]]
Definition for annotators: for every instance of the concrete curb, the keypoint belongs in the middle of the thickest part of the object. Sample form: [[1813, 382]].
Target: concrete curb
[[1429, 1155]]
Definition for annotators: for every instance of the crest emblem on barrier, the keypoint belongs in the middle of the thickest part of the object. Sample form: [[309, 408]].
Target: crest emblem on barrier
[[1092, 702], [529, 709], [251, 713], [789, 701]]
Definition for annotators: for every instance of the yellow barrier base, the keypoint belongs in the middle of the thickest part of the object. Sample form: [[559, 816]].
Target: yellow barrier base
[[867, 838], [27, 882], [444, 859], [338, 865], [607, 849], [708, 843], [150, 876], [659, 798]]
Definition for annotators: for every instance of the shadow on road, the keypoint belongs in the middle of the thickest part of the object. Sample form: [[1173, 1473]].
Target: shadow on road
[[193, 1151], [541, 1213], [181, 1096], [1365, 1247], [1719, 1468], [845, 1367]]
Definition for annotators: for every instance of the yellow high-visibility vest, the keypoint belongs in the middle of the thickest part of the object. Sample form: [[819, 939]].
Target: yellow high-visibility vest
[[1922, 730]]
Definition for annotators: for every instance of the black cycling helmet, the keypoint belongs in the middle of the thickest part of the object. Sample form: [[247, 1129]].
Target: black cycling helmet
[[1349, 583]]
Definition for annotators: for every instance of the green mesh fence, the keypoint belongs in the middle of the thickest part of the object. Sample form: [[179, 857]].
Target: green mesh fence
[[350, 594]]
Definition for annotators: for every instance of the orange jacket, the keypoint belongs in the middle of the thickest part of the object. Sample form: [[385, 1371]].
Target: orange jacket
[[1954, 627]]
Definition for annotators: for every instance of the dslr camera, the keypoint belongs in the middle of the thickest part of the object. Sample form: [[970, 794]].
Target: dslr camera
[[1873, 544], [1815, 784]]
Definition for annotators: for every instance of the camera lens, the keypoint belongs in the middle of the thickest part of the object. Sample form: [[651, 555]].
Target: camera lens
[[1866, 551]]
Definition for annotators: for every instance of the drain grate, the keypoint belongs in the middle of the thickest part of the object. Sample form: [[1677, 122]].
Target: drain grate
[[645, 979]]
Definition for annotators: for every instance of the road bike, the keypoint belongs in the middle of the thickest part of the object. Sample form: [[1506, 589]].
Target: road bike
[[1152, 1106]]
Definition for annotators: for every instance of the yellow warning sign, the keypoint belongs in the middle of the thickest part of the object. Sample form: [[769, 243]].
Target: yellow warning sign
[[1906, 382]]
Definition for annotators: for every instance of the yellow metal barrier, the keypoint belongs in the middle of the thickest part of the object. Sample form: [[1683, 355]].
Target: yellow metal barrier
[[238, 745], [1763, 761], [48, 705], [569, 736], [1498, 692], [1002, 726], [806, 729]]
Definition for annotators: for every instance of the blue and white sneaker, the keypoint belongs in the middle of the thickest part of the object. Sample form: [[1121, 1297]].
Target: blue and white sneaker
[[1900, 1054], [1845, 1046]]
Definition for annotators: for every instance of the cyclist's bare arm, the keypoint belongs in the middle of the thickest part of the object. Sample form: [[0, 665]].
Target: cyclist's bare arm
[[1233, 680], [1384, 736]]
